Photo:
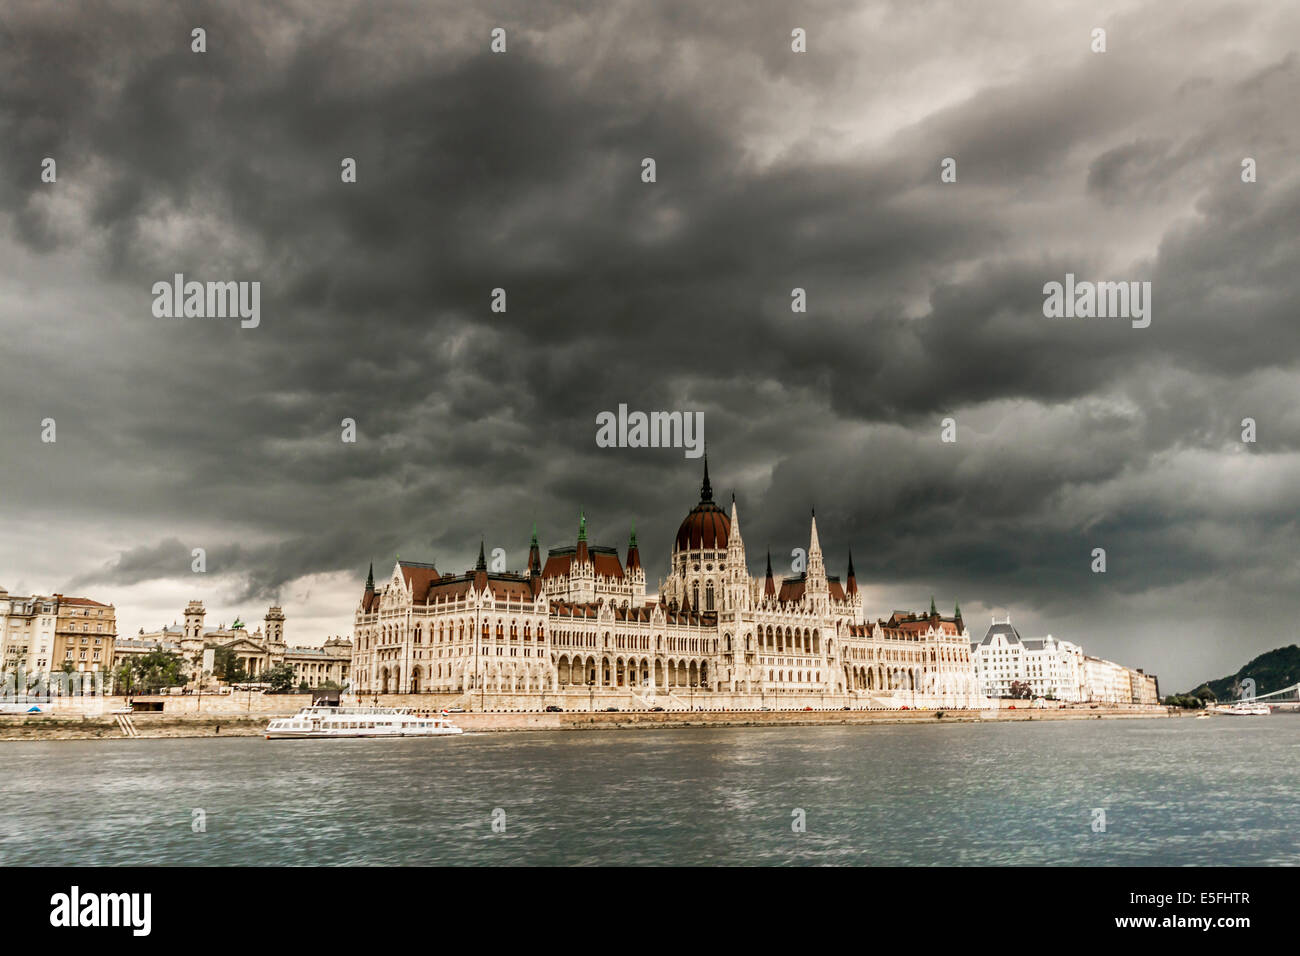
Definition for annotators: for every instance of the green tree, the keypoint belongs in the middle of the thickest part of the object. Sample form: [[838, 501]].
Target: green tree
[[124, 681], [158, 669], [281, 678], [228, 667]]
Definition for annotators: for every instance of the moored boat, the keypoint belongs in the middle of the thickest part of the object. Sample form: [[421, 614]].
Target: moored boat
[[1244, 710], [312, 722]]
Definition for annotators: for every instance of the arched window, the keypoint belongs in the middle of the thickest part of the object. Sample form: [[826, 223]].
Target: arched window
[[696, 591], [708, 596]]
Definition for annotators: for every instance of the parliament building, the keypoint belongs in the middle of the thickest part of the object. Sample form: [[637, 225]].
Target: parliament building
[[582, 619]]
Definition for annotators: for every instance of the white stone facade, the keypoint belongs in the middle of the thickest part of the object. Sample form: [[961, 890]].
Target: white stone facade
[[584, 620], [1048, 666], [27, 634]]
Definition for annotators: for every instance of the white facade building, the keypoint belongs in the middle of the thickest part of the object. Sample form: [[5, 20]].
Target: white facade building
[[584, 619], [1106, 682], [1049, 667], [27, 628]]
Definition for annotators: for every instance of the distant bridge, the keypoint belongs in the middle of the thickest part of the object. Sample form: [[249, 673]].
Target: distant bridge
[[1285, 696]]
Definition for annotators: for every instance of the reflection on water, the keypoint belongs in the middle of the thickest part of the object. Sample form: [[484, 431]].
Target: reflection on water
[[1175, 792]]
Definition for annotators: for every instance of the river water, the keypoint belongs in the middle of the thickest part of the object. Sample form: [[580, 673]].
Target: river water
[[1173, 792]]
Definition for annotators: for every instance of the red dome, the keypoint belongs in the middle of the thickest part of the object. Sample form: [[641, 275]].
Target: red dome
[[707, 526]]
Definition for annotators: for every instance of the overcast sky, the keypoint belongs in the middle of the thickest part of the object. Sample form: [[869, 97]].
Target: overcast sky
[[775, 169]]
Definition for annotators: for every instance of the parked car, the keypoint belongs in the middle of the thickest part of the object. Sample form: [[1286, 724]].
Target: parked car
[[656, 709], [846, 707], [552, 709], [807, 708], [609, 710]]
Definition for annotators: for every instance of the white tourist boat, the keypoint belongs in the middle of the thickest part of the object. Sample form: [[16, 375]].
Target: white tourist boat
[[1244, 710], [359, 722]]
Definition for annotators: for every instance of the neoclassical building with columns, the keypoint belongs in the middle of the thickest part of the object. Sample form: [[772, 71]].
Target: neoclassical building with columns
[[583, 619]]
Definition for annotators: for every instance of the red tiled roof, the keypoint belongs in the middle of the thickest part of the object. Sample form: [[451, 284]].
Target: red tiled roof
[[509, 590], [419, 578], [791, 590], [605, 560], [80, 601]]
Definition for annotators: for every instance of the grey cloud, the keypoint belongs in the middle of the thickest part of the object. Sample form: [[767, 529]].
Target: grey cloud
[[522, 171]]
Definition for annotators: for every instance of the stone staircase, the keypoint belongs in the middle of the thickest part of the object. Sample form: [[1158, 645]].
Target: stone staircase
[[127, 727]]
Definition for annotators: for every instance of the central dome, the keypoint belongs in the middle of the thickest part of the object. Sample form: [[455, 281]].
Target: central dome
[[707, 526]]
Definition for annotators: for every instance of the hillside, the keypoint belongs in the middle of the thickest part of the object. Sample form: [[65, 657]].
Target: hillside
[[1271, 671]]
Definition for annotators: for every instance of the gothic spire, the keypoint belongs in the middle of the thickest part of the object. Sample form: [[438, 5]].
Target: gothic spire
[[583, 556], [706, 489], [633, 552], [370, 577], [534, 554], [482, 559]]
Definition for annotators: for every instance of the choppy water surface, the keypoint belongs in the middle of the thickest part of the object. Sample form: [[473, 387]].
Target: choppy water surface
[[1175, 792]]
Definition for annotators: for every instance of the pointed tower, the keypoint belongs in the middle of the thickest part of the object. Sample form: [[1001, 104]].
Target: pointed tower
[[816, 588], [769, 587], [480, 569], [534, 556], [852, 597], [934, 612], [736, 576], [635, 573], [370, 577], [582, 573], [956, 616], [583, 557]]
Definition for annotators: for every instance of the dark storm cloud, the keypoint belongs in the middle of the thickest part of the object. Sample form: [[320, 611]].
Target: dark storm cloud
[[521, 171]]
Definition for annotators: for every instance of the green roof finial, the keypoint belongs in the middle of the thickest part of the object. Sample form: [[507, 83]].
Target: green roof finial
[[631, 542], [582, 525]]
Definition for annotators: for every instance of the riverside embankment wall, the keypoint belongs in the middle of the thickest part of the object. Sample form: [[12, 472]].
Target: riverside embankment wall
[[159, 725]]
